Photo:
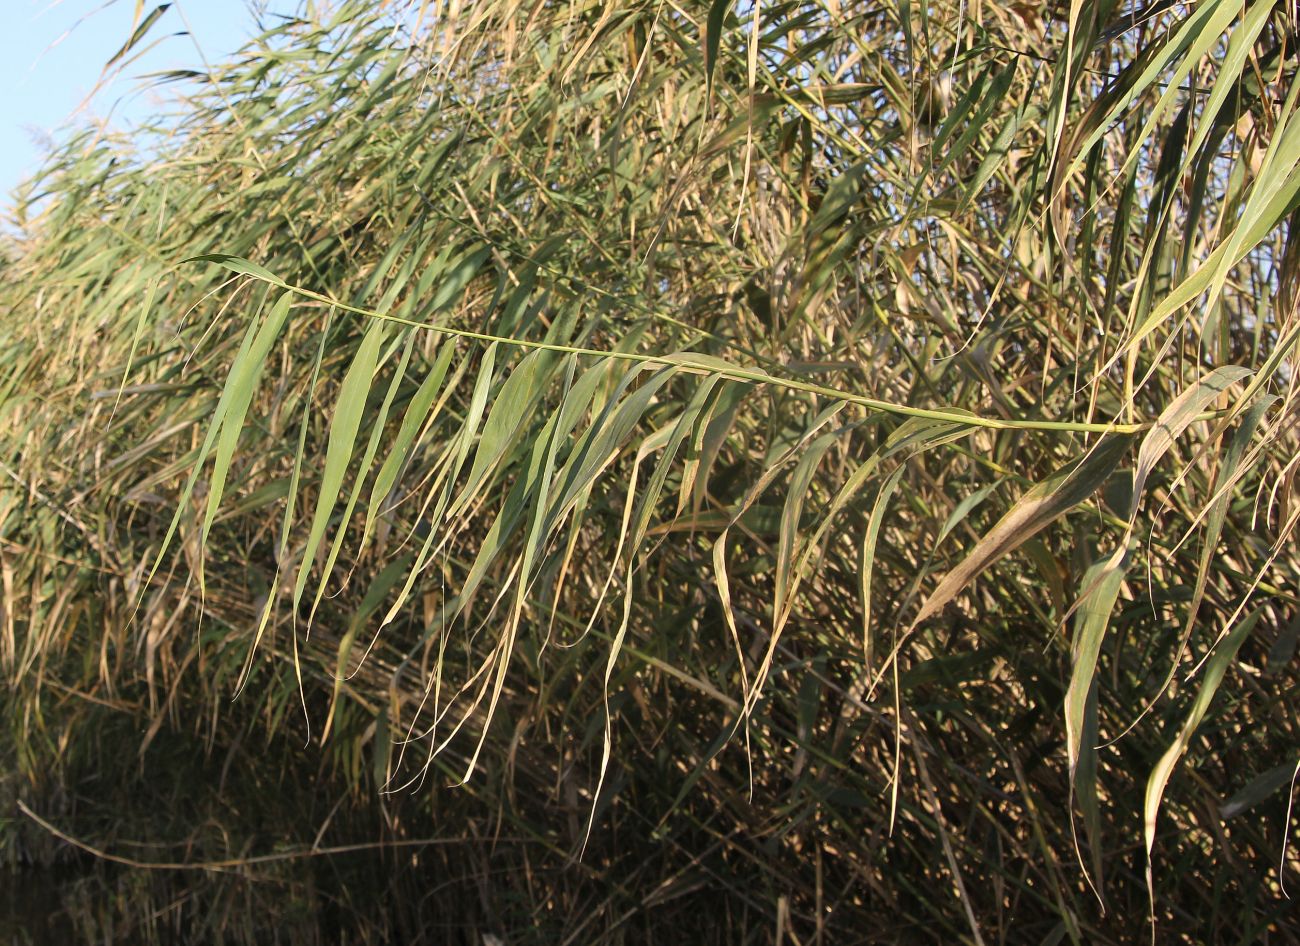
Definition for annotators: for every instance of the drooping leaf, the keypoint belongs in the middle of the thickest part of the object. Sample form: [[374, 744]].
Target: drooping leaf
[[1216, 667], [1033, 512], [349, 409], [713, 38]]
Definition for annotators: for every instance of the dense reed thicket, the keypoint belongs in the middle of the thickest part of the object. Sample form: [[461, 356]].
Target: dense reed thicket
[[812, 472]]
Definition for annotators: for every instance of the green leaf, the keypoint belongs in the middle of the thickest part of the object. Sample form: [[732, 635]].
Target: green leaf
[[1259, 789], [241, 266], [792, 515], [1230, 468], [235, 399], [1033, 512], [712, 39], [1101, 584], [363, 468], [245, 368], [140, 32], [348, 411], [419, 412], [510, 416], [867, 559], [1175, 419], [1216, 667], [374, 597]]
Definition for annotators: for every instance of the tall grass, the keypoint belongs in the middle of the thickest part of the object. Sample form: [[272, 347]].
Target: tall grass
[[790, 472]]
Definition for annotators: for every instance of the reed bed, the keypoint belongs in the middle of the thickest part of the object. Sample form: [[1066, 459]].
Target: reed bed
[[795, 472]]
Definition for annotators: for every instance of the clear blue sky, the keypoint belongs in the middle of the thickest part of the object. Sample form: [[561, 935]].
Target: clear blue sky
[[49, 62]]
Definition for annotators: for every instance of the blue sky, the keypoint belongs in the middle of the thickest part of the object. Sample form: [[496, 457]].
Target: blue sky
[[49, 62]]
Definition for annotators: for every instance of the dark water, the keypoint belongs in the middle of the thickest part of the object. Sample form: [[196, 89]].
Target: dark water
[[31, 910]]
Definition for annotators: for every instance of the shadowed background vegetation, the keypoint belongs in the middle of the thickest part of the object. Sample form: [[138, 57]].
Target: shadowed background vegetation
[[811, 472]]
